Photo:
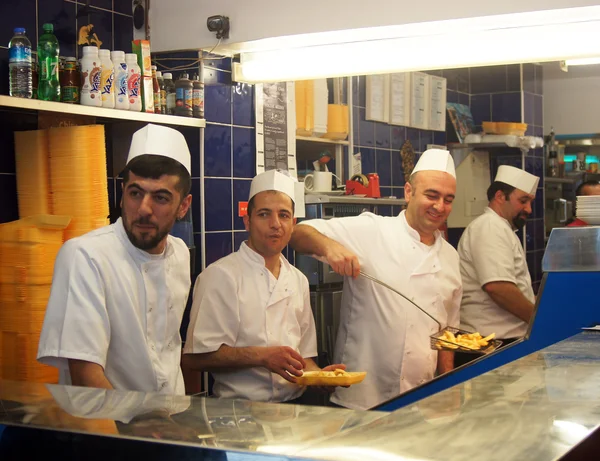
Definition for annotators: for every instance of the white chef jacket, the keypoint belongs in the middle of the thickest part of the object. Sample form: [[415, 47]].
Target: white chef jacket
[[238, 302], [490, 251], [120, 307], [380, 332]]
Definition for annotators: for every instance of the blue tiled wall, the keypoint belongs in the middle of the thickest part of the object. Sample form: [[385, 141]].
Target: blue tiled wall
[[515, 93]]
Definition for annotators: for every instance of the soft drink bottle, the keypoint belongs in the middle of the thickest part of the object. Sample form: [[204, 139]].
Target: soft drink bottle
[[19, 64], [48, 49]]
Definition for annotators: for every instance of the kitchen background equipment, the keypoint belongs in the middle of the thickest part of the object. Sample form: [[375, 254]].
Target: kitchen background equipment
[[326, 285]]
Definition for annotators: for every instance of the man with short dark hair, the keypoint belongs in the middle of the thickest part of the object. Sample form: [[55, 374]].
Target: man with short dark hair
[[497, 292], [251, 323], [119, 292]]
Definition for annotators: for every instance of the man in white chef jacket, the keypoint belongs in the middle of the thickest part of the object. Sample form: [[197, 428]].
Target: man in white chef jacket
[[497, 293], [119, 292], [379, 331], [251, 323]]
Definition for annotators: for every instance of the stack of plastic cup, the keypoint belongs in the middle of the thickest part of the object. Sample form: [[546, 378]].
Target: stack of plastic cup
[[78, 180], [32, 160]]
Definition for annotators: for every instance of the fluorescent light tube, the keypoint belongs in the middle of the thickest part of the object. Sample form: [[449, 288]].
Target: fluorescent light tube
[[506, 39]]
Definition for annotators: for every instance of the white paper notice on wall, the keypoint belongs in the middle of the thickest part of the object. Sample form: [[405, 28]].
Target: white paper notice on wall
[[275, 127], [437, 101], [377, 98], [400, 99], [419, 100]]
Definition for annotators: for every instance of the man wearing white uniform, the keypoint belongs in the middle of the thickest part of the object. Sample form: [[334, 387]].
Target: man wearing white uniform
[[497, 293], [251, 323], [379, 331], [119, 292]]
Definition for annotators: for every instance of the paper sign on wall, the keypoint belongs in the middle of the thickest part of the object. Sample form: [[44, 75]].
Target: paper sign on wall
[[377, 98], [419, 100], [400, 99]]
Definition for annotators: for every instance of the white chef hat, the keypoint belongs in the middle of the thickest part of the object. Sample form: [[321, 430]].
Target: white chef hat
[[160, 140], [273, 180], [518, 178], [436, 160]]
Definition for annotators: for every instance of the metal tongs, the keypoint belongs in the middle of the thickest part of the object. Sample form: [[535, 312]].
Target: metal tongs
[[436, 338], [370, 277]]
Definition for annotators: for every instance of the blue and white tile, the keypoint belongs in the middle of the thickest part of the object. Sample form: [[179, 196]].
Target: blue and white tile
[[384, 167], [398, 134], [196, 204], [366, 130], [218, 203], [367, 158], [481, 108], [217, 103], [123, 33], [218, 245], [244, 152], [61, 14], [238, 239], [506, 107], [243, 104], [217, 151], [18, 13], [382, 135]]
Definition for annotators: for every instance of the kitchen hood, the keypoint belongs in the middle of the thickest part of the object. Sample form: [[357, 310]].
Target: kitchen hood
[[282, 41]]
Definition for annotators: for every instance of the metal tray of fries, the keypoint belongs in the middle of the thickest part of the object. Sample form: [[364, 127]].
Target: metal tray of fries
[[455, 339]]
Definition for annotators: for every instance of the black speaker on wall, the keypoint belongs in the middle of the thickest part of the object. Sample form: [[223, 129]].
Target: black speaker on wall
[[139, 14]]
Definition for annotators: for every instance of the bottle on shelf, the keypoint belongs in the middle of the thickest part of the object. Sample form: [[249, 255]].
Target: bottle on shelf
[[184, 93], [120, 84], [170, 90], [107, 79], [35, 77], [91, 71], [19, 64], [48, 51], [134, 78], [69, 82], [552, 156], [163, 92], [156, 91], [198, 97]]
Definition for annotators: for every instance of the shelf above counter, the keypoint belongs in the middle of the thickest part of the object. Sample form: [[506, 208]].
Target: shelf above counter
[[35, 105], [322, 140], [523, 143]]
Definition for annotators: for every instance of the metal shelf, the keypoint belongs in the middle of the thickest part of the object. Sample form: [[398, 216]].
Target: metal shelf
[[571, 180], [322, 140], [36, 105]]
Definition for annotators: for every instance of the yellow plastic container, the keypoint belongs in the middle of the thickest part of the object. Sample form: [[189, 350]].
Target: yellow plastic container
[[337, 122], [305, 96]]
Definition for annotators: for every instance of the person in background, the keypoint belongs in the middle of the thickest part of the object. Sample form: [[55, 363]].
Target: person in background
[[497, 292], [251, 323], [119, 292], [585, 188], [380, 332]]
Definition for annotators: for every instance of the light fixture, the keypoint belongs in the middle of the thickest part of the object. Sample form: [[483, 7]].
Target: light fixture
[[504, 39]]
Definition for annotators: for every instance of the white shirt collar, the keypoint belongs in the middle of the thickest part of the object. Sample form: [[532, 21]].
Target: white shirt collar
[[414, 234], [139, 255], [504, 220], [254, 258]]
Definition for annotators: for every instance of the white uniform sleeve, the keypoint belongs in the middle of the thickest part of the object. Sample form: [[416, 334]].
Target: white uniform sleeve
[[492, 252], [353, 232], [308, 340], [454, 311], [76, 324], [215, 318]]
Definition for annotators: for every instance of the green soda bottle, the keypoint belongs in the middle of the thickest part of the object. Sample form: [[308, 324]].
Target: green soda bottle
[[48, 49]]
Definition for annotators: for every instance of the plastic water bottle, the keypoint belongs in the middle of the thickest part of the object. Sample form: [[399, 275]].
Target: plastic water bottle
[[48, 50], [20, 65], [91, 70], [121, 99], [107, 79], [134, 79]]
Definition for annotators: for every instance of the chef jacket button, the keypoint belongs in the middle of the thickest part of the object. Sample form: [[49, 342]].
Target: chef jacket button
[[150, 310], [163, 385], [170, 308], [146, 271]]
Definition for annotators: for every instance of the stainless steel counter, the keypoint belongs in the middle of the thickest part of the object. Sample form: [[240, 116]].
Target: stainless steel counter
[[536, 408]]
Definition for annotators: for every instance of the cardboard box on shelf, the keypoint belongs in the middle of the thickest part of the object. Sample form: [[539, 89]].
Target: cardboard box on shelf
[[142, 49]]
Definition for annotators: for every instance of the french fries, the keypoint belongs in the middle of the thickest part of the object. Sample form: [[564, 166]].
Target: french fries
[[334, 373], [472, 341]]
